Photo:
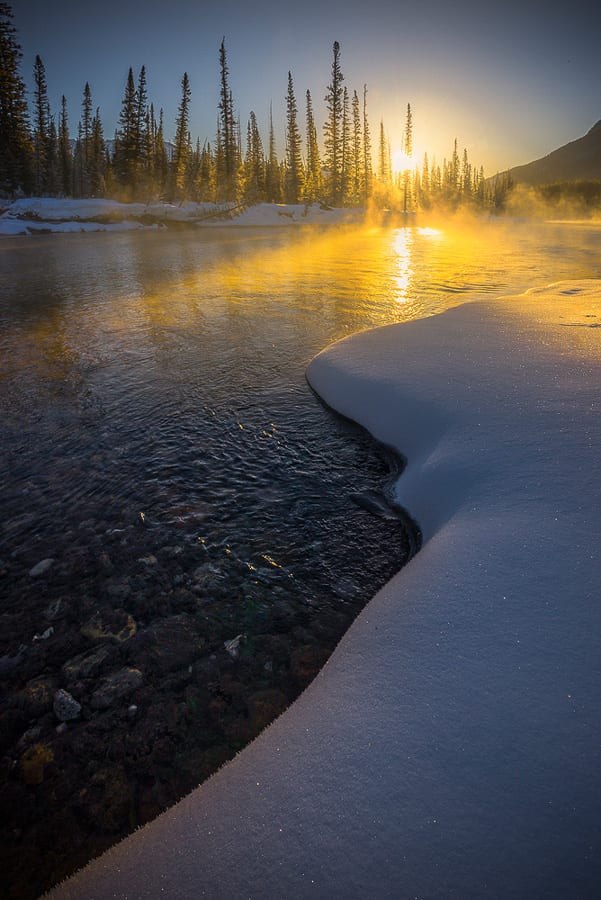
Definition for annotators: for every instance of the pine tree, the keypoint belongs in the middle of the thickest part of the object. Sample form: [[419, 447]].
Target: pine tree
[[254, 163], [78, 165], [181, 150], [345, 147], [481, 186], [125, 159], [273, 180], [161, 159], [408, 134], [65, 155], [333, 131], [97, 160], [383, 156], [229, 157], [313, 184], [86, 132], [41, 131], [16, 149], [408, 149], [82, 154], [294, 161], [206, 175], [466, 176], [367, 163], [356, 189], [142, 137], [453, 171], [53, 183]]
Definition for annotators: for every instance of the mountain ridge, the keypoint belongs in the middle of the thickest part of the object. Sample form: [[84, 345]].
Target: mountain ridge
[[577, 160]]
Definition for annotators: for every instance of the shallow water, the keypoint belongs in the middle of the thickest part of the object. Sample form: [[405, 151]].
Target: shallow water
[[160, 445]]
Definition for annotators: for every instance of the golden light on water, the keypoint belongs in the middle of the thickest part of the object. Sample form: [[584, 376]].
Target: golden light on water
[[403, 244], [430, 232]]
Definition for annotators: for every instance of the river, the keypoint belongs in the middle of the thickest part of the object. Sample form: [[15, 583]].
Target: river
[[192, 503]]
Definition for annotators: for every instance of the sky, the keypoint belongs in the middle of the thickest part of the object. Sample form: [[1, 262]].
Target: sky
[[511, 81]]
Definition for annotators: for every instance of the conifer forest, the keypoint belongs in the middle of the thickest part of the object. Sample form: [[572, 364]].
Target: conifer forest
[[67, 153]]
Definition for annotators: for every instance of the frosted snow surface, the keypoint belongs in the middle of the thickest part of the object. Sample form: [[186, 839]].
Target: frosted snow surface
[[451, 745], [32, 214]]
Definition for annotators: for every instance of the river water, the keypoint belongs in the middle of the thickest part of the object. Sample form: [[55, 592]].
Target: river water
[[162, 373], [161, 448]]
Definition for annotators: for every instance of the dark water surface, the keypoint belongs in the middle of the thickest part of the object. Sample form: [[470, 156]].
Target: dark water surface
[[160, 446]]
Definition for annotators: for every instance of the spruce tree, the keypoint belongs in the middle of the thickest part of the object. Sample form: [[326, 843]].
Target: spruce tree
[[16, 149], [367, 162], [41, 131], [313, 183], [345, 148], [181, 151], [355, 189], [254, 163], [453, 172], [86, 125], [53, 181], [408, 148], [294, 162], [161, 159], [125, 159], [333, 131], [65, 155], [206, 175], [466, 176], [408, 135], [142, 137], [229, 156], [383, 156], [97, 161], [78, 165], [273, 179]]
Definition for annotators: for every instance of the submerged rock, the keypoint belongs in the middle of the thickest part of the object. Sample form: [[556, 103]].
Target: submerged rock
[[121, 628], [36, 697], [233, 645], [33, 763], [118, 684], [65, 706], [41, 568], [86, 665], [167, 645]]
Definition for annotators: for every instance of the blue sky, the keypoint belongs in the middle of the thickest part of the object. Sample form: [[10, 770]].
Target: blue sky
[[511, 81]]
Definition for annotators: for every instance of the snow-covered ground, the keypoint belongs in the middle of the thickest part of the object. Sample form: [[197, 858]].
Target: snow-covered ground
[[451, 746], [33, 214]]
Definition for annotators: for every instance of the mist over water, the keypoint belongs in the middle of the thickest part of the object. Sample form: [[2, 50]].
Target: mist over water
[[146, 366]]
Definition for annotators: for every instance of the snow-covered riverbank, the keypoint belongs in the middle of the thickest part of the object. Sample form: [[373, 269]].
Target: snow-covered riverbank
[[47, 214], [450, 747]]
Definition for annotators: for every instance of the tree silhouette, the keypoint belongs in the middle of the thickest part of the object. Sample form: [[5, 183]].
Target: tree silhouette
[[294, 161], [16, 147], [333, 131]]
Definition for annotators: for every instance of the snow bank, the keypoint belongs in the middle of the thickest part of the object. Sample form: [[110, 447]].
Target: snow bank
[[268, 214], [51, 214], [450, 747]]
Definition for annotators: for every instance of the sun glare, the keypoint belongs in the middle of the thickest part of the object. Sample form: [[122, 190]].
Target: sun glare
[[401, 162]]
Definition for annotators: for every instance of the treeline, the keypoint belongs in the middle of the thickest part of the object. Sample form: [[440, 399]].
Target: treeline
[[40, 155]]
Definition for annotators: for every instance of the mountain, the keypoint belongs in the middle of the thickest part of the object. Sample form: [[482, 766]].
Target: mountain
[[580, 159]]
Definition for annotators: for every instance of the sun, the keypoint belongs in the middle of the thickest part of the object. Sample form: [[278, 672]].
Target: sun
[[401, 162]]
